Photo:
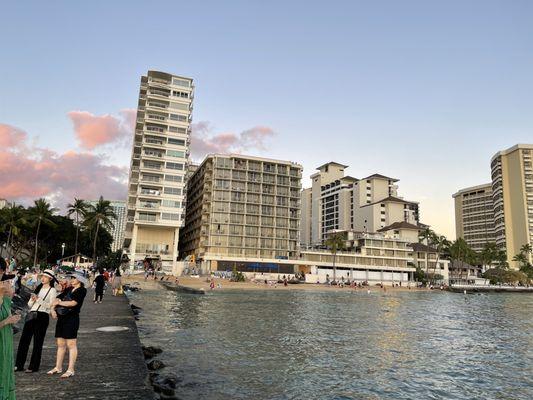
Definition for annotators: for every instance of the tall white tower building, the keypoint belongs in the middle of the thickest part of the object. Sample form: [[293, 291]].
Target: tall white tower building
[[158, 168]]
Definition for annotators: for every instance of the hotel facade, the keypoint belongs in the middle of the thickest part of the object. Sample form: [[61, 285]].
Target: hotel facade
[[474, 215], [242, 208], [158, 167], [339, 202]]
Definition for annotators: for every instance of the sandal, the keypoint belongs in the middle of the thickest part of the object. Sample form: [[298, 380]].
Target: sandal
[[67, 374], [54, 371]]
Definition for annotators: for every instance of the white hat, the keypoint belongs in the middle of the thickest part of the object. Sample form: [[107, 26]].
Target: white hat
[[50, 273], [79, 276]]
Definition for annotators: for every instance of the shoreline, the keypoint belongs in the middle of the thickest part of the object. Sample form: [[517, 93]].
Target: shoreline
[[226, 285]]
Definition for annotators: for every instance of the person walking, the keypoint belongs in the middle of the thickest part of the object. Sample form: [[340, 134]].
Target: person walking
[[116, 281], [99, 285], [67, 310], [36, 323], [7, 376]]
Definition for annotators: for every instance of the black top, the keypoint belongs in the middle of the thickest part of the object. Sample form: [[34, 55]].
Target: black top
[[6, 277], [99, 283], [77, 295]]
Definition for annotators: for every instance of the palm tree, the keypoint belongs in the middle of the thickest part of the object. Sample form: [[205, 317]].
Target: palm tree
[[13, 219], [440, 243], [335, 242], [427, 234], [100, 214], [79, 207], [40, 213]]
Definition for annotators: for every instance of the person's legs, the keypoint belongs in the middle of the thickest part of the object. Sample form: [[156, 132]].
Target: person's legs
[[41, 326], [24, 345], [72, 353], [61, 349]]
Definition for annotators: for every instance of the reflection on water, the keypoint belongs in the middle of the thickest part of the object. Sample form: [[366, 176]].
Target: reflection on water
[[343, 345]]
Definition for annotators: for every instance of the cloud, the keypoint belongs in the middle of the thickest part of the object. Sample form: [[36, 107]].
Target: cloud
[[204, 142], [28, 172], [93, 131]]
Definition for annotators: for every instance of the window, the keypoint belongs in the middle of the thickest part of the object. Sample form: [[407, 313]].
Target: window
[[177, 129], [176, 166], [171, 203], [177, 142], [170, 216], [178, 117], [179, 106], [171, 190], [177, 93], [173, 178], [181, 82], [175, 153]]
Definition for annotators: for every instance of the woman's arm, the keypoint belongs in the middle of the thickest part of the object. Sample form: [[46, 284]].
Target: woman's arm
[[67, 303]]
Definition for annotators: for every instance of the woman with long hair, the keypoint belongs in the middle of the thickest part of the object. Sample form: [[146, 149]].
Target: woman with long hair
[[67, 310], [7, 376], [116, 281], [36, 323]]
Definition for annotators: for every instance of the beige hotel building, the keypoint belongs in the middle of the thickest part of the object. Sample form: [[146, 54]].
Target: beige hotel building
[[474, 215], [242, 211], [512, 196], [502, 211], [158, 167]]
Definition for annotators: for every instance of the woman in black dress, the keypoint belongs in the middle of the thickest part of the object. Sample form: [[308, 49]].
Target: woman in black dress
[[67, 310]]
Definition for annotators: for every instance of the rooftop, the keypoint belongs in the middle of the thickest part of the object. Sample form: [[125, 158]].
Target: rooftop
[[400, 225], [379, 176], [332, 163], [390, 199]]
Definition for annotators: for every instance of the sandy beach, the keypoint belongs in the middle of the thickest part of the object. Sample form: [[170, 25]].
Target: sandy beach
[[203, 283]]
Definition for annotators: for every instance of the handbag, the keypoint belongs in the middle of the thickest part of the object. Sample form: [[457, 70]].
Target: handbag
[[62, 310], [33, 314]]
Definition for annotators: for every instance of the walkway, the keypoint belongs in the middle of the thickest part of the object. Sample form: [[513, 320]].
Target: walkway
[[110, 365]]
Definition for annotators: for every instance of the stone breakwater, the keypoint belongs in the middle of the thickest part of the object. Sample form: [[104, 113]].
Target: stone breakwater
[[110, 363]]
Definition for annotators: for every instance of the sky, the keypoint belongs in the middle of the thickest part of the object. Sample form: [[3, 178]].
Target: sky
[[423, 91]]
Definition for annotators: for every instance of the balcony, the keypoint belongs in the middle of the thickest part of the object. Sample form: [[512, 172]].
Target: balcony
[[150, 192]]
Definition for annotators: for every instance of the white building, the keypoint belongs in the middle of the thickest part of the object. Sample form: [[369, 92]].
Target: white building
[[339, 202], [158, 167]]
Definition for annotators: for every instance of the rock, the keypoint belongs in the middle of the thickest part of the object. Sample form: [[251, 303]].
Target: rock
[[170, 382], [154, 365], [153, 376], [134, 307], [159, 388], [150, 351], [163, 396]]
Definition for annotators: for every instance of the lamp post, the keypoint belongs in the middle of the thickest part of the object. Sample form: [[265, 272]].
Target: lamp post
[[62, 250]]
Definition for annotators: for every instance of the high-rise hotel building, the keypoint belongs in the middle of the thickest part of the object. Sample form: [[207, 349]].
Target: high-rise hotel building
[[158, 166], [512, 195], [474, 215], [337, 202], [119, 223], [242, 207]]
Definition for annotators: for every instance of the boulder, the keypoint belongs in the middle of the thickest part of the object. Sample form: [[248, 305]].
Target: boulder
[[154, 365], [150, 351]]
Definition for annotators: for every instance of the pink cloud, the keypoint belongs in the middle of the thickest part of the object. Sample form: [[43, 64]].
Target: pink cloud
[[204, 142], [93, 131], [11, 136], [28, 172]]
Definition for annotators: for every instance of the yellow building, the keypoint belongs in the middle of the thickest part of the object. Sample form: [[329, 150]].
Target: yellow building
[[512, 194]]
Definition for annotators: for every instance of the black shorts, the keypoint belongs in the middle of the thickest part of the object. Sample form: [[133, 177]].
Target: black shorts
[[67, 326]]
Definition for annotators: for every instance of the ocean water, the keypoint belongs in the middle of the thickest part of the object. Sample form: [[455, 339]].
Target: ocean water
[[342, 345]]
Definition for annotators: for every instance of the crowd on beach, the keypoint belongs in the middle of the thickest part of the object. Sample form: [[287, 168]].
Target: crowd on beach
[[30, 298]]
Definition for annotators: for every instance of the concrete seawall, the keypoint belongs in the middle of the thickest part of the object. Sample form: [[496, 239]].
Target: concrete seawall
[[110, 364]]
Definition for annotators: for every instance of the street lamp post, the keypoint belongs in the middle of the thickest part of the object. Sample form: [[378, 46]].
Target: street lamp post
[[62, 250]]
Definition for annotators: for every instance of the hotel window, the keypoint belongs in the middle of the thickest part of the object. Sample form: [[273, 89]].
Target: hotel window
[[173, 178], [170, 217], [178, 117], [171, 203], [176, 129], [180, 82], [171, 190], [174, 166], [175, 153], [177, 93], [177, 142], [179, 106]]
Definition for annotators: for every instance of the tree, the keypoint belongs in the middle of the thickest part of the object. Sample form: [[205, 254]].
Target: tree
[[489, 254], [13, 218], [79, 208], [440, 243], [426, 235], [462, 253], [335, 242], [100, 214], [40, 213]]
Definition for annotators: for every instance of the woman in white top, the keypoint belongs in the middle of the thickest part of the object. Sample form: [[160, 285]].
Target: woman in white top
[[36, 323]]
